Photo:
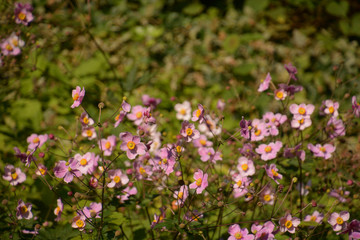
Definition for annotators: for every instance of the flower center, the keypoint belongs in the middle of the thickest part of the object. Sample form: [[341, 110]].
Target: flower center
[[302, 111], [15, 42], [244, 167], [117, 117], [86, 120], [339, 221], [57, 210], [301, 121], [83, 162], [9, 47], [322, 149], [14, 176], [275, 173], [331, 109], [273, 120], [23, 209], [280, 94], [108, 145], [189, 131], [80, 223], [42, 171], [180, 195], [164, 160], [257, 132], [182, 111], [239, 183], [89, 133], [76, 96], [130, 145], [21, 16], [142, 171], [238, 235], [198, 182], [268, 149], [203, 142], [36, 140], [198, 113], [116, 179], [288, 224], [267, 198], [313, 218], [138, 115], [178, 149]]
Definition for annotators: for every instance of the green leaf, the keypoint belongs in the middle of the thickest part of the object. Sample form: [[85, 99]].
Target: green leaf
[[117, 218], [338, 9], [27, 113], [231, 43], [193, 9]]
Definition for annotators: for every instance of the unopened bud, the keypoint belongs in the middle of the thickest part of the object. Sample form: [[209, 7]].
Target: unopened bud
[[37, 226], [101, 105], [294, 179], [182, 225], [220, 204], [4, 202], [117, 233]]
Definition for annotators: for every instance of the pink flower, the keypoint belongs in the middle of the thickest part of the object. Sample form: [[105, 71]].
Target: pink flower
[[23, 13], [329, 107], [267, 196], [14, 175], [220, 105], [132, 145], [280, 94], [198, 114], [58, 210], [335, 128], [150, 101], [315, 217], [207, 154], [302, 110], [12, 45], [246, 167], [288, 223], [26, 157], [23, 210], [322, 151], [36, 141], [301, 122], [164, 160], [67, 170], [202, 142], [117, 178], [79, 222], [264, 232], [264, 85], [210, 127], [127, 193], [41, 170], [269, 151], [338, 220], [136, 114], [201, 181], [89, 132], [85, 120], [181, 195], [272, 172], [189, 132], [125, 109], [258, 130], [107, 145], [295, 152], [355, 106], [87, 163], [240, 185], [93, 210], [237, 233], [291, 70], [77, 95], [273, 121]]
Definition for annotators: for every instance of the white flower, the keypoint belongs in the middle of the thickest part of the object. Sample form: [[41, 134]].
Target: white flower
[[183, 111]]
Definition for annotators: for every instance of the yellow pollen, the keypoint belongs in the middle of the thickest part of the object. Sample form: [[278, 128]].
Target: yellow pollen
[[257, 132], [36, 140], [182, 111], [42, 171], [21, 16], [268, 149], [142, 171], [198, 182], [69, 169], [203, 142], [107, 145], [15, 42], [23, 209], [178, 149], [164, 160], [116, 179], [189, 131], [302, 111], [9, 47], [239, 183], [180, 195], [322, 149], [86, 120], [244, 167], [249, 127], [280, 94], [339, 221], [89, 133], [301, 121], [80, 223], [313, 218], [198, 113], [131, 145], [331, 109], [83, 162], [288, 224], [117, 117], [273, 120], [57, 210], [76, 96], [138, 115], [238, 235], [274, 173], [267, 198], [14, 176]]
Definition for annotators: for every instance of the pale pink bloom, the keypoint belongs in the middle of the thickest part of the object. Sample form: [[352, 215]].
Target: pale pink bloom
[[41, 170], [220, 105], [237, 233], [26, 157], [210, 127], [125, 109], [304, 110], [158, 219], [132, 145], [67, 170], [207, 154], [288, 223], [201, 181], [258, 130], [301, 122], [117, 178], [12, 45], [181, 195], [77, 96], [198, 114], [107, 145], [263, 232], [14, 175], [85, 120], [315, 217], [36, 141], [329, 107], [183, 111], [272, 172], [264, 85], [93, 210], [280, 94], [335, 128], [23, 13], [322, 151], [355, 106], [23, 210], [338, 220], [137, 114], [165, 160], [189, 132], [267, 196], [87, 162], [79, 222], [58, 210], [240, 185], [273, 121], [202, 142], [150, 101], [89, 132], [269, 151], [246, 167], [127, 193]]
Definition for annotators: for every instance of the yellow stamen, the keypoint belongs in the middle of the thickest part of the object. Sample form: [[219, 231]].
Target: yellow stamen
[[267, 198], [198, 113], [89, 133], [238, 235], [36, 140], [189, 131], [302, 111], [275, 174], [42, 171], [288, 224], [116, 179], [180, 195], [239, 183], [117, 117], [23, 209], [257, 132], [178, 149], [80, 223], [339, 221], [203, 142], [301, 121], [313, 218], [21, 16], [57, 210], [244, 167], [198, 182], [14, 176], [86, 120], [138, 115], [331, 109], [83, 162], [76, 96], [131, 145], [182, 111], [9, 47], [268, 149], [107, 145], [280, 95], [142, 170]]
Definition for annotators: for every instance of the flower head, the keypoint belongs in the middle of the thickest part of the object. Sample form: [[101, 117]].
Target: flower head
[[264, 85], [314, 217], [338, 220], [323, 151], [330, 108], [272, 172], [237, 233], [288, 223], [79, 222], [355, 106], [291, 70], [107, 145], [36, 141], [198, 114], [23, 13], [246, 167], [188, 131], [201, 181], [335, 128], [67, 170], [150, 101], [14, 175], [117, 178], [132, 145], [183, 111], [269, 151], [12, 45], [58, 210], [77, 96], [181, 195], [23, 210]]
